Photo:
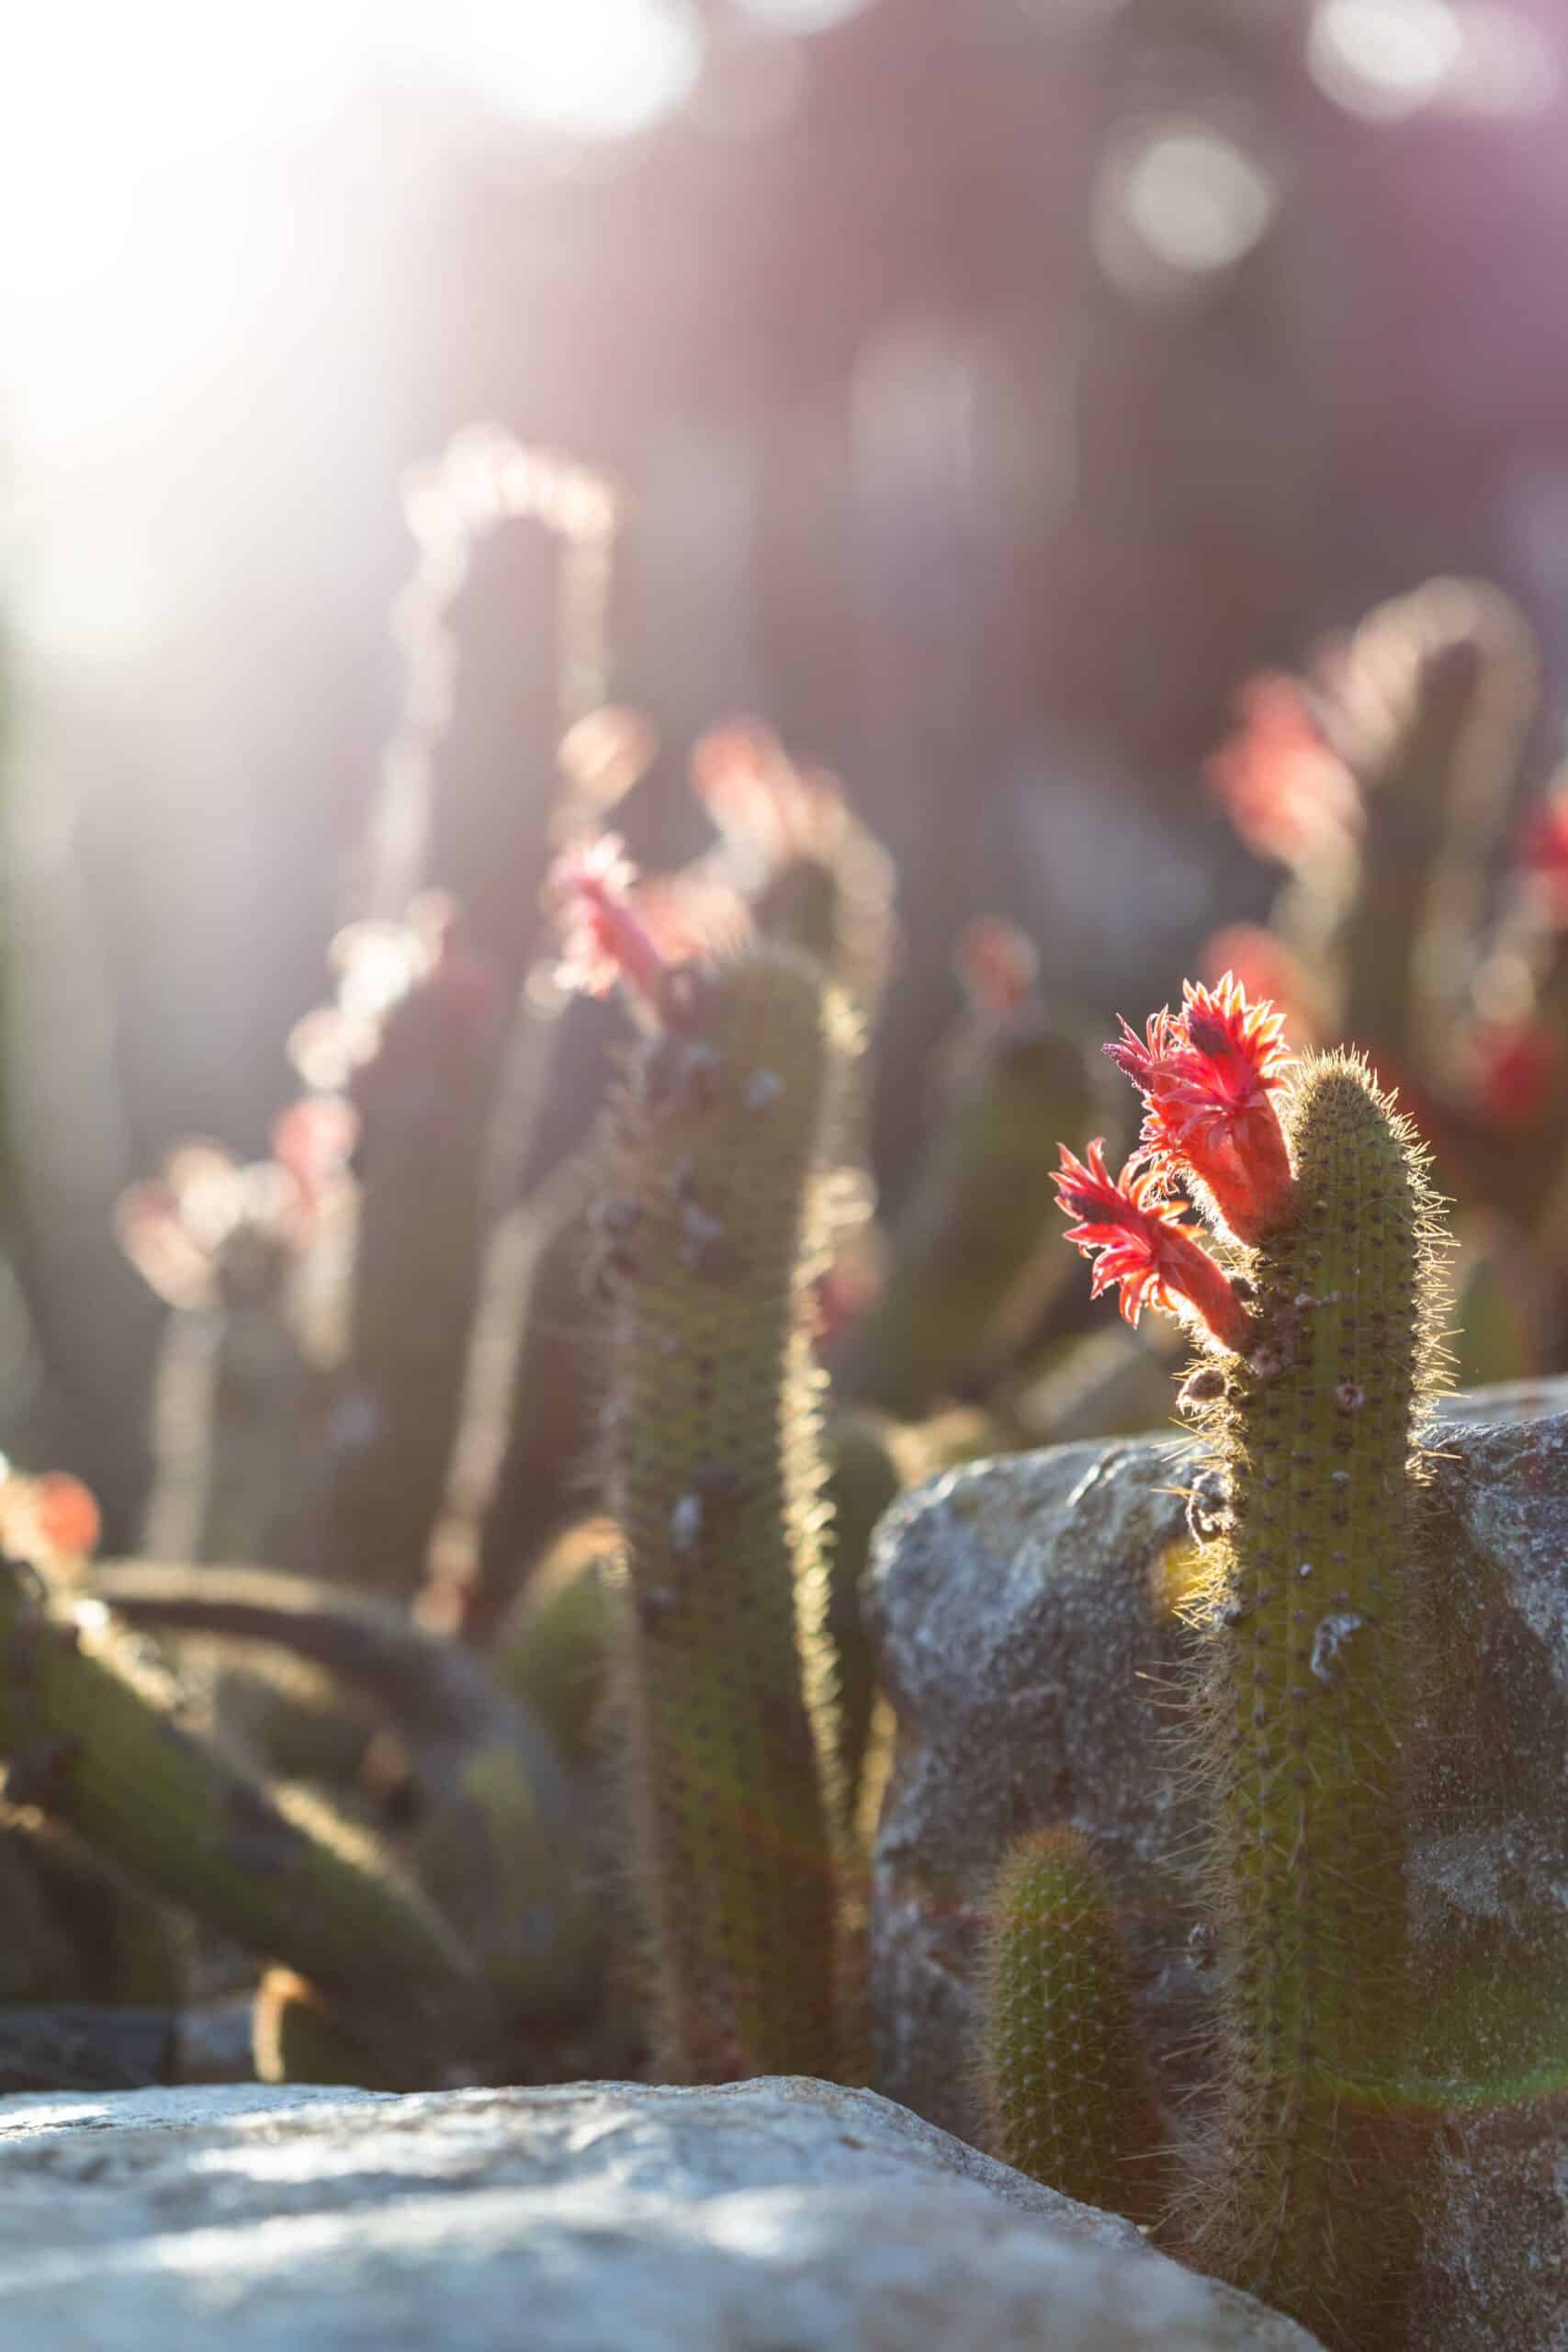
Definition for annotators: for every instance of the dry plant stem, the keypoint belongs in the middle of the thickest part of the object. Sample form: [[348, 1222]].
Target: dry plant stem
[[715, 1479]]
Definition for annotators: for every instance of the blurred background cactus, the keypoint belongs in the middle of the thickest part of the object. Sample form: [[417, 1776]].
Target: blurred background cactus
[[1114, 439]]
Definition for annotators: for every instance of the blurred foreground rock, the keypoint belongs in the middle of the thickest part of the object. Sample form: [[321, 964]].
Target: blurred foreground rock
[[1023, 1610], [774, 2216]]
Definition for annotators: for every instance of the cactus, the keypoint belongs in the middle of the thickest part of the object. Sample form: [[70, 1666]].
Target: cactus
[[1429, 706], [1387, 785], [792, 847], [528, 1439], [1313, 1664], [1068, 2094], [423, 1097], [969, 1277], [236, 1472], [494, 1840], [553, 1652], [1312, 1611], [715, 1478], [93, 1737], [863, 1478]]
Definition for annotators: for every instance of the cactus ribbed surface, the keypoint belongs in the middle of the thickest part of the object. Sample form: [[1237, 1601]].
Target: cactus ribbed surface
[[1068, 2094], [92, 1736], [1303, 1744], [716, 1480]]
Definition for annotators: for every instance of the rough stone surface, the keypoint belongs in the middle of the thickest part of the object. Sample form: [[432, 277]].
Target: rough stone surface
[[1022, 1613], [774, 2216]]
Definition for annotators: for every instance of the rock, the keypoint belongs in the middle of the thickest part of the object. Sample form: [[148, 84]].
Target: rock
[[773, 2216], [1023, 1612]]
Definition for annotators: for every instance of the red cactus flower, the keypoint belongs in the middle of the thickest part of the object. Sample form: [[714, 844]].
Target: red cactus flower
[[1206, 1074], [1543, 856], [693, 914], [768, 811], [603, 938], [997, 964], [1139, 1241], [1514, 1071], [52, 1519], [1286, 790]]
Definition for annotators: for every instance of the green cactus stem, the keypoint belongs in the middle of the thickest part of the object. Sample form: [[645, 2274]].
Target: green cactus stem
[[126, 1945], [527, 1436], [1302, 1743], [863, 1478], [1429, 708], [815, 878], [1068, 2094], [233, 1472], [495, 1835], [715, 1478], [553, 1653], [870, 1462], [93, 1737], [423, 1101], [969, 1241]]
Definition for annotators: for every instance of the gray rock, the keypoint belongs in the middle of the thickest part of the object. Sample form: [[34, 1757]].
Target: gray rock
[[1022, 1613], [773, 2216]]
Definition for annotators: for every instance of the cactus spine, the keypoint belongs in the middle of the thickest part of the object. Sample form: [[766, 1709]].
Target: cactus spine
[[716, 1480], [1067, 2093], [1306, 1718]]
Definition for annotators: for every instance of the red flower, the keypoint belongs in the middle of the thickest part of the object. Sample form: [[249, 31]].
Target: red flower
[[52, 1519], [997, 964], [604, 939], [694, 915], [770, 814], [1142, 1244], [1543, 854], [1206, 1074], [1284, 788], [1514, 1072]]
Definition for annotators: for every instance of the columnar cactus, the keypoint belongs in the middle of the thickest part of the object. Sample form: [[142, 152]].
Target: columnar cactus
[[1310, 1501], [1068, 2094], [959, 1294], [715, 1478], [1309, 1710], [422, 1020], [794, 849]]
